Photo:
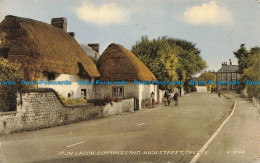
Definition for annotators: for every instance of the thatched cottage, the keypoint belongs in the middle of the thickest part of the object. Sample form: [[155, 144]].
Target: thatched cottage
[[49, 53], [118, 64]]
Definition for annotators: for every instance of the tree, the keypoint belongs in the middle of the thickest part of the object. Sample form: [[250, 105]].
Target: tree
[[160, 57], [206, 76], [189, 58], [246, 60], [169, 59], [252, 73], [242, 55]]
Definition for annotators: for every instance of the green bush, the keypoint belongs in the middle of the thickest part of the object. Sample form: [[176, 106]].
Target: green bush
[[10, 79], [106, 100], [68, 101]]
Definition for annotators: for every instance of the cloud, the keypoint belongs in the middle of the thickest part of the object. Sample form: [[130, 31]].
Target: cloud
[[208, 13], [101, 15]]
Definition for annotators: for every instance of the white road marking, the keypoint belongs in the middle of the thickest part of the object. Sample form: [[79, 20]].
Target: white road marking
[[197, 156], [169, 115], [75, 144], [140, 124]]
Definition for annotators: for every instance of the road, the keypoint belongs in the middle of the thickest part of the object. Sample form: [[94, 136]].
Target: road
[[161, 134]]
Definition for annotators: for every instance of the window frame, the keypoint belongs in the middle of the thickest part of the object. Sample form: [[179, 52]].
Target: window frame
[[118, 92]]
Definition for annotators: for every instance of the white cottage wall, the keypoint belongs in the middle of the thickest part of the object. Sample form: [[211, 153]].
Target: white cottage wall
[[64, 90], [140, 92], [130, 90], [145, 92]]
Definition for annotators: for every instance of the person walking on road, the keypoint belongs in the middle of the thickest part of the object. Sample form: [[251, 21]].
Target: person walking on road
[[175, 97], [169, 99], [165, 97], [153, 100], [219, 93]]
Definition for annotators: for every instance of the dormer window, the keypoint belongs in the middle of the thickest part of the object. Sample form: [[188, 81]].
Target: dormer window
[[51, 76]]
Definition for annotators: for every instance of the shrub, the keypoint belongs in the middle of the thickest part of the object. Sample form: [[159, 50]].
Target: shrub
[[68, 101], [10, 79], [102, 102]]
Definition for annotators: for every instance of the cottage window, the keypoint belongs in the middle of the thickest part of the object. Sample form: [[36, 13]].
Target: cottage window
[[118, 92], [219, 76], [234, 75], [114, 92], [224, 77]]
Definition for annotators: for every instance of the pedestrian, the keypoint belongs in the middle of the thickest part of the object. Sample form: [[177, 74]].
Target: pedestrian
[[212, 89], [175, 97], [169, 99], [219, 93], [165, 98], [153, 101]]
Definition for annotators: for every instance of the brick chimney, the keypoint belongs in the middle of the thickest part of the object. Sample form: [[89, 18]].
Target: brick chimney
[[230, 62], [60, 23], [72, 34], [225, 64], [95, 46]]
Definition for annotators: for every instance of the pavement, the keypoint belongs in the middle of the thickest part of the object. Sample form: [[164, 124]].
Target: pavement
[[161, 134], [239, 140]]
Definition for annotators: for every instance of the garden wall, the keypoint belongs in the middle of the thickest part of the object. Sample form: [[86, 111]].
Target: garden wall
[[42, 108]]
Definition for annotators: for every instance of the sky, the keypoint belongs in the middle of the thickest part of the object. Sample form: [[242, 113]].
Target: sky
[[217, 27]]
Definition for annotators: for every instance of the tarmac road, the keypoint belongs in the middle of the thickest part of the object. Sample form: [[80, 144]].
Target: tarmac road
[[161, 134]]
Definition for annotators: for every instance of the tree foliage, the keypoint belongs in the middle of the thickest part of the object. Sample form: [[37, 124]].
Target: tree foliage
[[169, 59], [10, 78], [242, 55], [250, 71], [249, 66], [206, 76]]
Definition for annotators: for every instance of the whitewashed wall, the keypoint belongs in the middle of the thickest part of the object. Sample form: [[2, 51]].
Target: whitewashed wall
[[139, 92], [74, 87], [145, 92], [130, 90]]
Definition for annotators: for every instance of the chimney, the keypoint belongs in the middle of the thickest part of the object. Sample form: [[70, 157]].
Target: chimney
[[95, 46], [72, 34], [230, 62], [60, 23]]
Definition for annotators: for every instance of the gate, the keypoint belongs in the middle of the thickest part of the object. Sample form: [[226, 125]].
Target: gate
[[136, 104]]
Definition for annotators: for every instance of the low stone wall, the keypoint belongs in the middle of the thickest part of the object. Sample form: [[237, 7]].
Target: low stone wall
[[42, 108], [118, 107]]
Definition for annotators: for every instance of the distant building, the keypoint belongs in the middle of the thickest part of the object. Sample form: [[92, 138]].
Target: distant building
[[119, 64], [228, 73]]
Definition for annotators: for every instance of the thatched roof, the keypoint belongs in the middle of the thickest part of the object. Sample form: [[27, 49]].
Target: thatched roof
[[42, 47], [118, 63]]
